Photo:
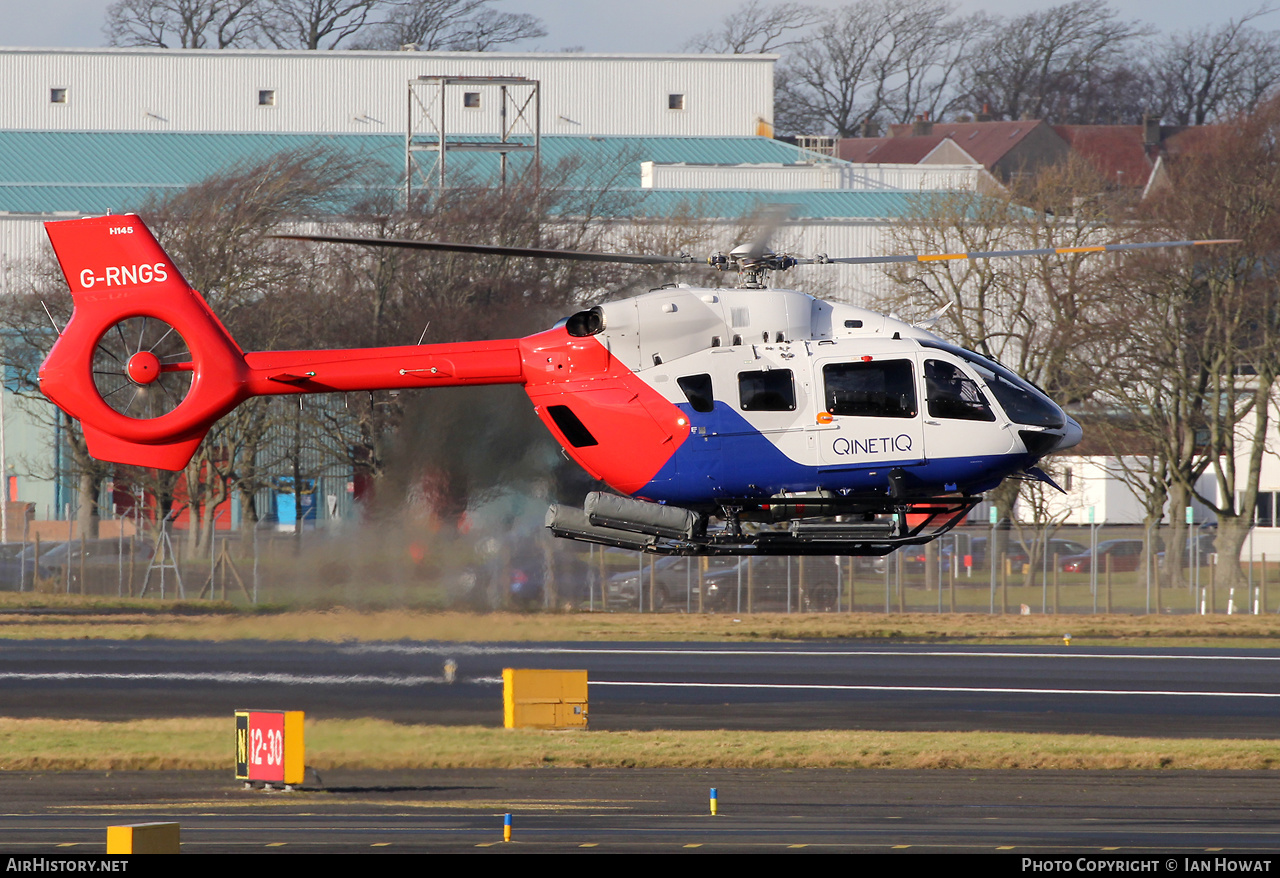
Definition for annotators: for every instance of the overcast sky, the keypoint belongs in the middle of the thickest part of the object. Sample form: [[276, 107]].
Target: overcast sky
[[609, 25]]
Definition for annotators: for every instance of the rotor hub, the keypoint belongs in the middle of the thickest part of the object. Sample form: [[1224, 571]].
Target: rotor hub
[[143, 367]]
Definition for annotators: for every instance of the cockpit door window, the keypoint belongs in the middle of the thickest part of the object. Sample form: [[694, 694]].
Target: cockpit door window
[[1021, 401], [953, 395]]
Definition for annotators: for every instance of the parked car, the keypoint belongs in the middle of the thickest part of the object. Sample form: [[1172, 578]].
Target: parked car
[[1015, 552], [17, 567], [1018, 555], [102, 558], [774, 583], [12, 567], [1124, 555], [670, 578], [763, 579]]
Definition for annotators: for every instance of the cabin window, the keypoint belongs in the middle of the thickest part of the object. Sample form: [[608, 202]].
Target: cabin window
[[882, 389], [573, 429], [675, 102], [57, 95], [471, 100], [954, 395], [266, 97], [697, 389], [769, 391]]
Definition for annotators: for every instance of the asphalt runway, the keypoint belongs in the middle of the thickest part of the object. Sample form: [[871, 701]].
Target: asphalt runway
[[1178, 815], [1147, 692], [1169, 816]]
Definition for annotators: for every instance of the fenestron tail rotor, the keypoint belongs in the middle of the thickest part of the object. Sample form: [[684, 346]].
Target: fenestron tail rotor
[[142, 368]]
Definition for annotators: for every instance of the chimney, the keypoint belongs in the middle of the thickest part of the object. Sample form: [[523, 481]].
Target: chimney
[[985, 115], [1150, 130], [870, 128], [922, 127]]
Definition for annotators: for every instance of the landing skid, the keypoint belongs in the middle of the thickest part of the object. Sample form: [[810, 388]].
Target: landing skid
[[664, 530]]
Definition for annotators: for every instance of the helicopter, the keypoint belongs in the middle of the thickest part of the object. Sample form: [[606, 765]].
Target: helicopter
[[730, 421]]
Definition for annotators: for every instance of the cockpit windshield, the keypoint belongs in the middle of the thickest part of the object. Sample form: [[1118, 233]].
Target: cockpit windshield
[[1020, 401]]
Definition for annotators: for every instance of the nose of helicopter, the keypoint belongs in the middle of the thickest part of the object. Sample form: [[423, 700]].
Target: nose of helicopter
[[1071, 435]]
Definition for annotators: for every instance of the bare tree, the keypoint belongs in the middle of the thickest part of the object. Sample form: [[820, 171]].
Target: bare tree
[[1033, 66], [312, 24], [492, 28], [1216, 72], [1149, 409], [836, 81], [928, 53], [1115, 94], [181, 24], [1214, 319], [874, 57], [757, 28], [450, 25]]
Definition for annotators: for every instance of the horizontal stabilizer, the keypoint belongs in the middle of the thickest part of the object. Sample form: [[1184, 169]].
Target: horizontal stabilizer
[[290, 378]]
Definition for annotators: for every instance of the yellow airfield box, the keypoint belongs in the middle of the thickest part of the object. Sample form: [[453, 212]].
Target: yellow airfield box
[[269, 746], [144, 838], [544, 699]]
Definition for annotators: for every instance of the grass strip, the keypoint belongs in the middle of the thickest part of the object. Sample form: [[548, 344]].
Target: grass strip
[[207, 743], [155, 619]]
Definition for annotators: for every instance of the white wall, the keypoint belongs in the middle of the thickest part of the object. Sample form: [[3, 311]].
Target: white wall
[[217, 90], [818, 175], [1096, 481]]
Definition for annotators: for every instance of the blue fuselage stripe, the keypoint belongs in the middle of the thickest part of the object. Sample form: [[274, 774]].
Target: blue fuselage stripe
[[725, 457]]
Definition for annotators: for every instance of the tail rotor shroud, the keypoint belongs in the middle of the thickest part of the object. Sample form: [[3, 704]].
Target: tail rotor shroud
[[142, 368]]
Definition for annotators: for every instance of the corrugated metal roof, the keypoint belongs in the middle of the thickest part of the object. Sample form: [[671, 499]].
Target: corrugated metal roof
[[93, 172]]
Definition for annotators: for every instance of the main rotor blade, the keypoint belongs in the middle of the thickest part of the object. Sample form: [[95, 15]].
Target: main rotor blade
[[496, 250], [1044, 251]]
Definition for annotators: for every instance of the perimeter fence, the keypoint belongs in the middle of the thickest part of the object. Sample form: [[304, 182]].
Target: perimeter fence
[[1106, 569]]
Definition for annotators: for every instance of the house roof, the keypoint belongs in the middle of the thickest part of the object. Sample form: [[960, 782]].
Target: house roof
[[1190, 139], [888, 150], [1117, 152], [987, 142]]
